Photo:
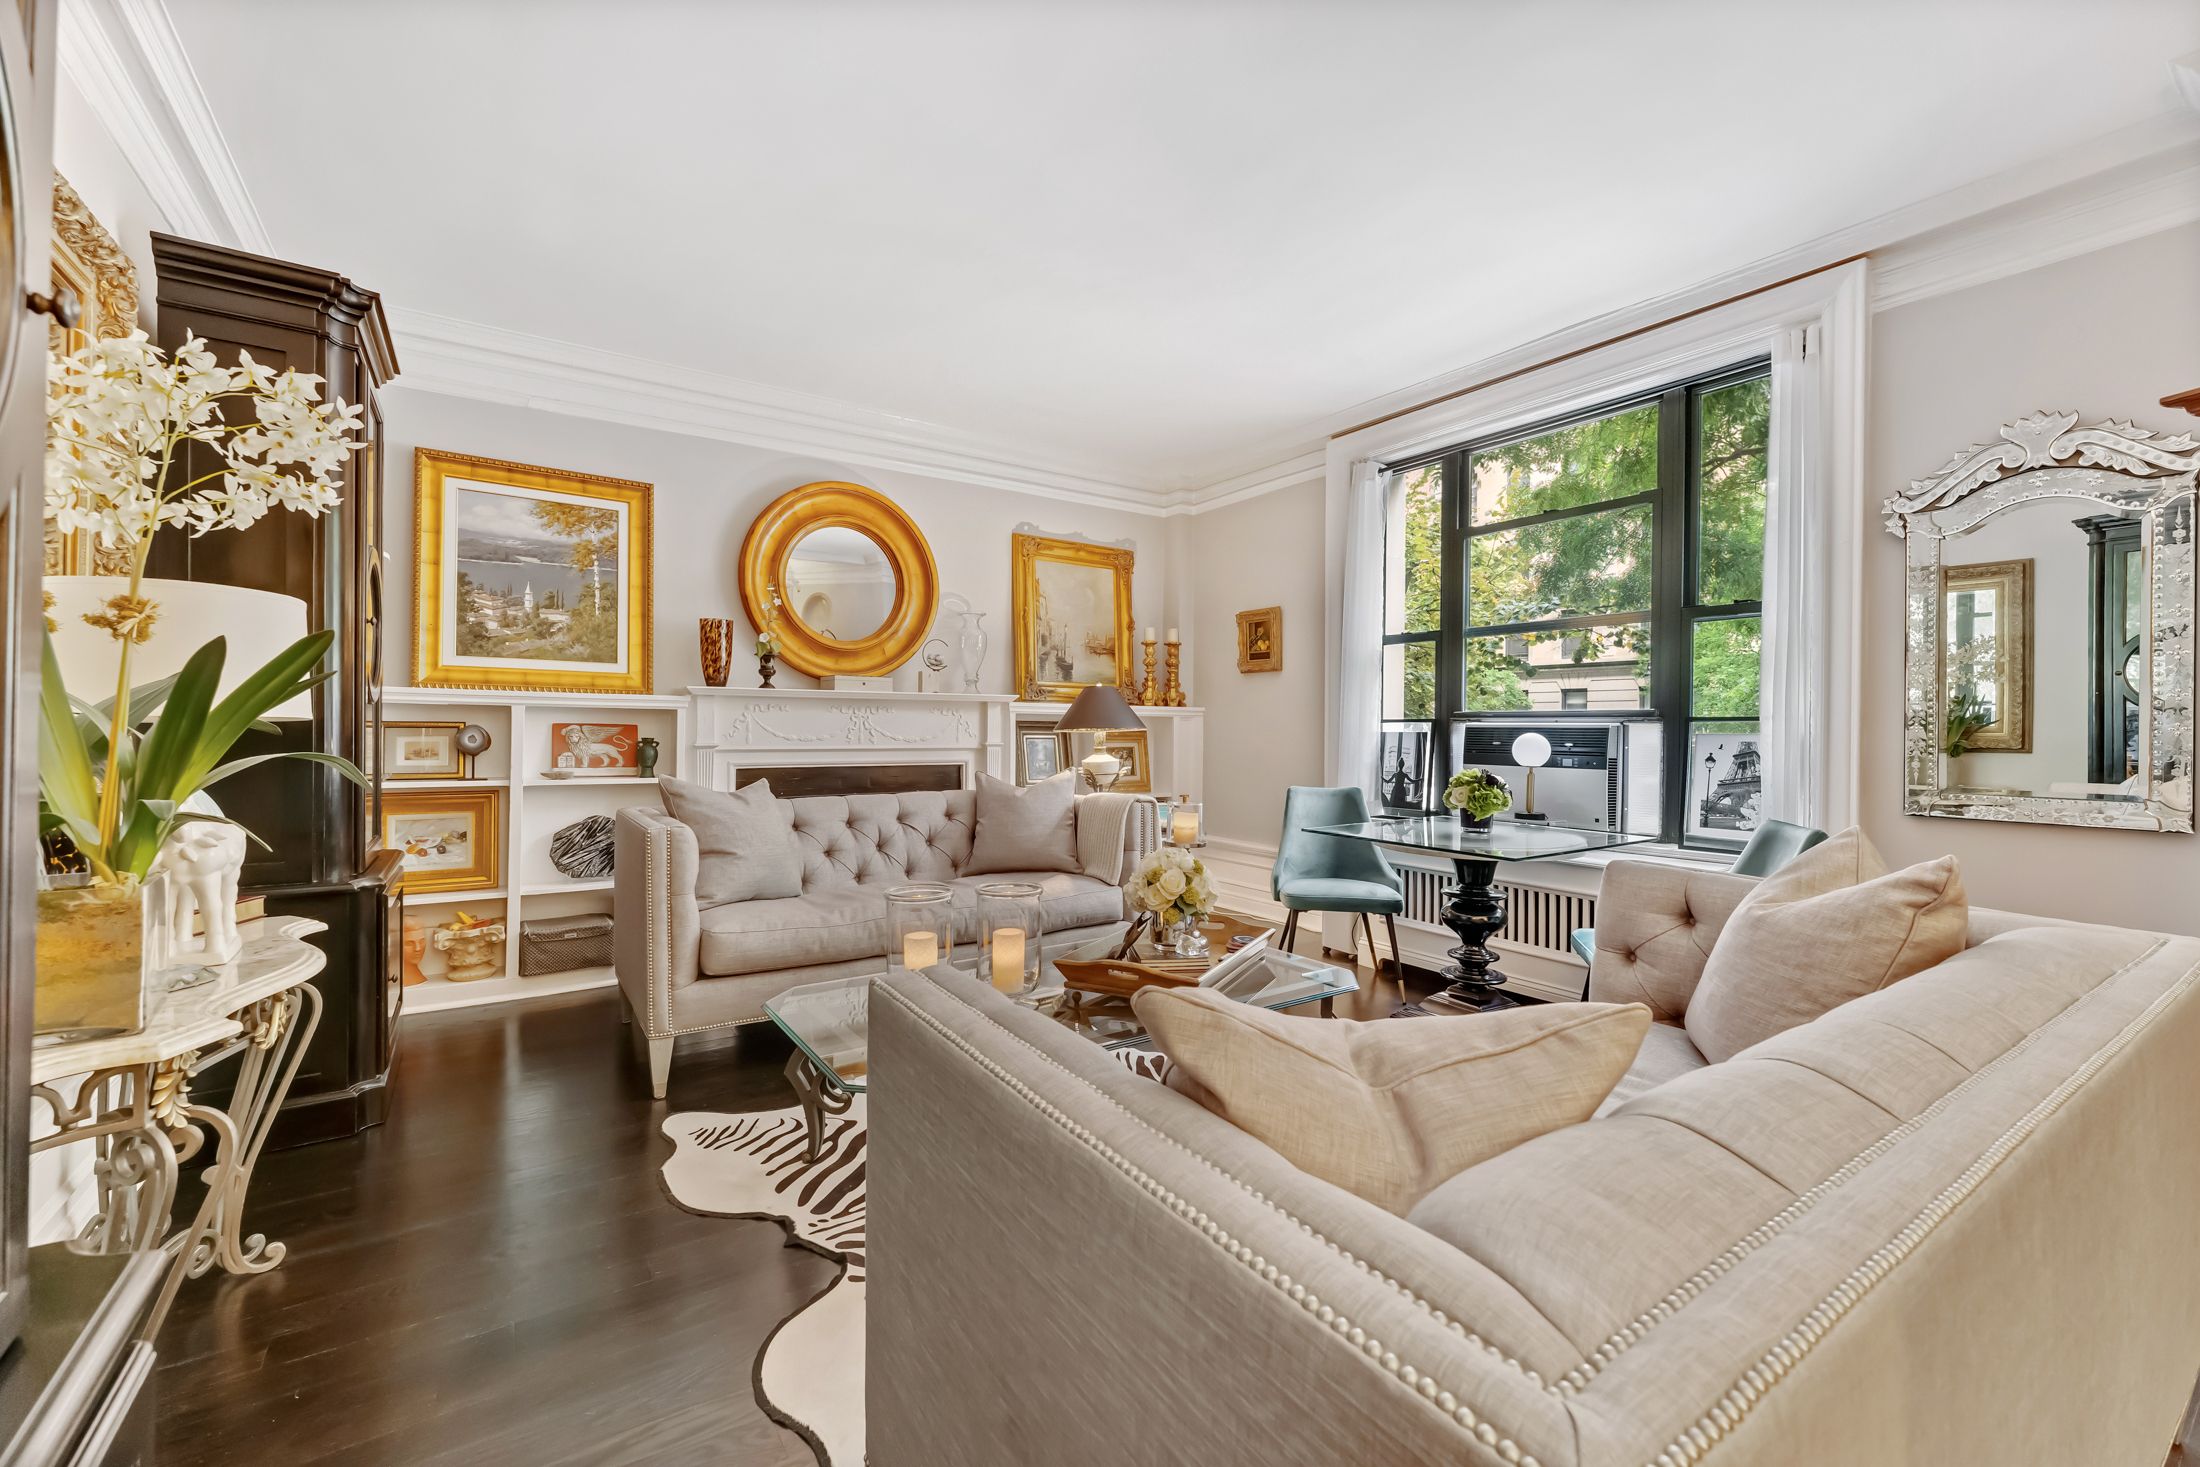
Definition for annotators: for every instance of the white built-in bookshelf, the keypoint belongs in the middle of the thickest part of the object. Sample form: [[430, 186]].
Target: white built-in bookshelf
[[534, 808]]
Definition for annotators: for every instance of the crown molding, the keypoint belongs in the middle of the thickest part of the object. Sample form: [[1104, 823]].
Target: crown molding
[[128, 61], [458, 358], [1311, 462]]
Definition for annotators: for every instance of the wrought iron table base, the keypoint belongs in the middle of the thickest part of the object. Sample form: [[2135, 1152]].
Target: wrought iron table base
[[820, 1098]]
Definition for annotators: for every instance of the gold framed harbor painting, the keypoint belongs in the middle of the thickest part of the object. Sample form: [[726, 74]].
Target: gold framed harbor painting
[[1073, 617], [529, 578]]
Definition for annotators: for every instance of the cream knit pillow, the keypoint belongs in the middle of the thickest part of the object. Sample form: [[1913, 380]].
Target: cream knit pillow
[[1392, 1108], [1829, 926]]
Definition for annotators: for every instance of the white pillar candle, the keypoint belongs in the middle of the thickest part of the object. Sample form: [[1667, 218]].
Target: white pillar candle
[[1008, 959], [920, 950], [1184, 826], [1172, 634], [1149, 634]]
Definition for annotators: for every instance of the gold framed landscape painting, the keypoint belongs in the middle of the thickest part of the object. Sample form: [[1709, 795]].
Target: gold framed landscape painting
[[1073, 617], [449, 837], [529, 578]]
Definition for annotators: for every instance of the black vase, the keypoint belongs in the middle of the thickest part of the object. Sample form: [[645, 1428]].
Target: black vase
[[1472, 822]]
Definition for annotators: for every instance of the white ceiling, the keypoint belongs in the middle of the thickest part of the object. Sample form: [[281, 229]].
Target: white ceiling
[[1163, 242]]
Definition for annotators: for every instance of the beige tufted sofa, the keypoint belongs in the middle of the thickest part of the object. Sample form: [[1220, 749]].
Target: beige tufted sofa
[[685, 968], [1948, 1223]]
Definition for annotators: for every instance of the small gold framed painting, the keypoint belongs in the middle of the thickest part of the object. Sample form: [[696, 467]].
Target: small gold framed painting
[[449, 837], [1260, 640], [421, 751], [529, 578], [1129, 745]]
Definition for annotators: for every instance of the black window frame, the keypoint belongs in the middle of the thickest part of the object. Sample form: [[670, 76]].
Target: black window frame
[[1675, 609]]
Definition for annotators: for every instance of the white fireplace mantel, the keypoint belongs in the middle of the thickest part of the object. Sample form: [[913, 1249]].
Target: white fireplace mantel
[[735, 728]]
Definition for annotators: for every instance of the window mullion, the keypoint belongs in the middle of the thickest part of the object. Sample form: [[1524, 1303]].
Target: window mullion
[[1451, 645], [1670, 534]]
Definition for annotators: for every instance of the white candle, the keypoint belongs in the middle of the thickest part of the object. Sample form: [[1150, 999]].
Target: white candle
[[1149, 634], [1172, 634], [920, 950], [1184, 826], [1008, 959]]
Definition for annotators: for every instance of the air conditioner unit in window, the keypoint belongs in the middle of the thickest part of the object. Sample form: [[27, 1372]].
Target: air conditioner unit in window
[[1601, 775]]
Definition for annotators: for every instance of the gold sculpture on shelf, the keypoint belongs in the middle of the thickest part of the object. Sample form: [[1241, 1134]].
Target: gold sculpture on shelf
[[1172, 693], [1149, 692], [473, 946]]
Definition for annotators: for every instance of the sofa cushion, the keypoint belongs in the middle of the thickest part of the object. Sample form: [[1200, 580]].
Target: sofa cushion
[[1025, 828], [831, 926], [744, 849], [1665, 1055], [1830, 926], [1066, 901], [1389, 1109], [879, 841]]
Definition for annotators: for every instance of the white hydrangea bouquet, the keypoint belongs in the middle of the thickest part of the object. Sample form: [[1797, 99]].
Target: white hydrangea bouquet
[[1173, 884]]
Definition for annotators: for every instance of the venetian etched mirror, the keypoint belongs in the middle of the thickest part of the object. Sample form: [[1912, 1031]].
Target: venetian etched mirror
[[2050, 612], [842, 578]]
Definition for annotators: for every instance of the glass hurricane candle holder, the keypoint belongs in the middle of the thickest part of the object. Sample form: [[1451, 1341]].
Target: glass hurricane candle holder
[[923, 921], [1008, 936], [1185, 824]]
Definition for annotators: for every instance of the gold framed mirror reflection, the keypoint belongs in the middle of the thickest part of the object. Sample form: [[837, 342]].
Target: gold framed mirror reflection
[[842, 578], [1986, 655], [90, 264]]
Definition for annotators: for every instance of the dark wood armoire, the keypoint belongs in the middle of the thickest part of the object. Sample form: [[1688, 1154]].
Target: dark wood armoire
[[323, 857]]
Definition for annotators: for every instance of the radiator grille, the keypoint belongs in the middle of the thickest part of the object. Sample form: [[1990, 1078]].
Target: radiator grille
[[1534, 917]]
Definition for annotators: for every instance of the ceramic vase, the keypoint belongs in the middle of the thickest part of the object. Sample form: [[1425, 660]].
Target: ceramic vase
[[645, 758], [765, 668], [98, 945], [972, 646], [717, 635], [1472, 822]]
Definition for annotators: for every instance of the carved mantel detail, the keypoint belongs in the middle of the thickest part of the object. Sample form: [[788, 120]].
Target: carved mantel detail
[[734, 726]]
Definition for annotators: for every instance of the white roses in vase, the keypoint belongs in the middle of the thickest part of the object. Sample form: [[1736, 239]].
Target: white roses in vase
[[1173, 884]]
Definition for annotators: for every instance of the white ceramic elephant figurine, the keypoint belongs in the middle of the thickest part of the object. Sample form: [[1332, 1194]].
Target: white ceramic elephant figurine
[[202, 859]]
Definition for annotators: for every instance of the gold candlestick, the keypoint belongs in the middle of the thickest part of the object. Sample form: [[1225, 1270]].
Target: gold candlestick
[[1172, 695], [1148, 692]]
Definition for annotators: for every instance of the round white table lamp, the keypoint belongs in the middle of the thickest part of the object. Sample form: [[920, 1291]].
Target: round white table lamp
[[258, 625], [1531, 751]]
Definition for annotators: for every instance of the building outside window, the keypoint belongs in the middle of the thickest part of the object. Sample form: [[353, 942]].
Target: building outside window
[[1608, 566]]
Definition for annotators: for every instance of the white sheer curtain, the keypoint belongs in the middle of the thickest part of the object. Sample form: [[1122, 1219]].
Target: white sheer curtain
[[1796, 697], [1355, 718]]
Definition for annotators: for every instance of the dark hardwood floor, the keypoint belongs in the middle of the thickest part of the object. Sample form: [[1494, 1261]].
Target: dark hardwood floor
[[496, 1274]]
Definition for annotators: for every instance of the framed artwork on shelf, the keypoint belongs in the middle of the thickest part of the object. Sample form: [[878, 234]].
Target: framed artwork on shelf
[[1038, 754], [1129, 745], [422, 751], [1072, 617], [449, 837], [529, 578], [1726, 784], [1260, 640], [595, 748], [1404, 784]]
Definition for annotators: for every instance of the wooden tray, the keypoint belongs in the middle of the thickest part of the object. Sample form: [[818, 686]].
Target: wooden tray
[[1125, 972]]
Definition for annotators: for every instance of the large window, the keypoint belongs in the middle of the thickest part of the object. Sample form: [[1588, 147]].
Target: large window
[[1609, 566]]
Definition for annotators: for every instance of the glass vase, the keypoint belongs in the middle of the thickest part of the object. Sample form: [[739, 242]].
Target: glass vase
[[98, 945], [1008, 936], [973, 648], [924, 928]]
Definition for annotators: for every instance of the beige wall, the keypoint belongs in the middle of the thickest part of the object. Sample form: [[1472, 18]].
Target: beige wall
[[707, 493], [1264, 730], [2107, 335]]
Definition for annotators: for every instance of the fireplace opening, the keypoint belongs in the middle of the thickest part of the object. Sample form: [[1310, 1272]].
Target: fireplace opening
[[797, 781]]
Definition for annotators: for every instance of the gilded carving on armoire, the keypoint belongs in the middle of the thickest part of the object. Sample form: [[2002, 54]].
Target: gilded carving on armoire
[[88, 263]]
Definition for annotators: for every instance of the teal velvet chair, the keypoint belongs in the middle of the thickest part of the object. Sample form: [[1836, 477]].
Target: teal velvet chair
[[1773, 845], [1324, 873]]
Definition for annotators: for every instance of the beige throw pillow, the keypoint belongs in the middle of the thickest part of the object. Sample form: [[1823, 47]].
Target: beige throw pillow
[[1393, 1108], [1030, 827], [1829, 926], [744, 841]]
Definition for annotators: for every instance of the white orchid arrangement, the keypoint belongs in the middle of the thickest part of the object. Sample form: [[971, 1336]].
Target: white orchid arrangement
[[1173, 884], [121, 423]]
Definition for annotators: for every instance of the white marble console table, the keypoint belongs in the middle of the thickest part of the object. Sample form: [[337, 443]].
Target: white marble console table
[[261, 1007]]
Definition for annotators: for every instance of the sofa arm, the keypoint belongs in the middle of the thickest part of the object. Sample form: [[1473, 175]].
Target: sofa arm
[[1655, 927], [655, 929], [1114, 833]]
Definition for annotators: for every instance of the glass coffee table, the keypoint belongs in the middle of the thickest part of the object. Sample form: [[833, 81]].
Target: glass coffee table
[[830, 1022], [1476, 909]]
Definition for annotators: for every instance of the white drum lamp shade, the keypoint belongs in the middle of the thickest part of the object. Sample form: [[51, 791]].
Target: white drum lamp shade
[[258, 624]]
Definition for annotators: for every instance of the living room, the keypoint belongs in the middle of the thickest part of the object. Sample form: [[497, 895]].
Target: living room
[[1411, 653]]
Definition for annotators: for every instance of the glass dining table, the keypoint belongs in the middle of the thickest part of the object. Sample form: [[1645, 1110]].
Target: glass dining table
[[1475, 910]]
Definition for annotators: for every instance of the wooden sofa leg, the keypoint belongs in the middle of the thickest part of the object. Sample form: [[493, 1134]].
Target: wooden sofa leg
[[626, 1008], [660, 1066]]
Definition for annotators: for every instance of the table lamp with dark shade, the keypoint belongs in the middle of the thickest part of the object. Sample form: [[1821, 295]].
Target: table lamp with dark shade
[[1097, 710]]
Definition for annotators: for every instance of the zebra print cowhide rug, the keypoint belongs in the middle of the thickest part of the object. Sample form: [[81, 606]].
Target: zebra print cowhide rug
[[809, 1375]]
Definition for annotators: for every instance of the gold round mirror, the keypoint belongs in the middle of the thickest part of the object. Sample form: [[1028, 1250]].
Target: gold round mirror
[[853, 578]]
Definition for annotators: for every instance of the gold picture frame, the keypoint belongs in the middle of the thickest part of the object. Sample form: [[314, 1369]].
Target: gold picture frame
[[451, 838], [2002, 655], [1060, 627], [567, 524], [1260, 640], [836, 504], [92, 266], [400, 764], [1129, 745]]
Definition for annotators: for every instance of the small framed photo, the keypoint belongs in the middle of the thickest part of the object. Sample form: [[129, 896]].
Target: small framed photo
[[449, 837], [421, 751], [1038, 755], [1129, 746], [595, 748], [1260, 640], [1725, 784], [1404, 771]]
